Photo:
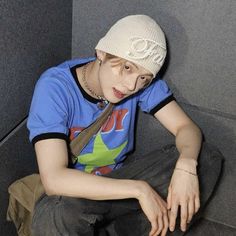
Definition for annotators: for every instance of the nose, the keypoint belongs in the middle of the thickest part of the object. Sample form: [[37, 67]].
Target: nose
[[130, 82]]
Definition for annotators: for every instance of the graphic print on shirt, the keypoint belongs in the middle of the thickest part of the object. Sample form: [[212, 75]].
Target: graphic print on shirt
[[102, 156], [59, 107]]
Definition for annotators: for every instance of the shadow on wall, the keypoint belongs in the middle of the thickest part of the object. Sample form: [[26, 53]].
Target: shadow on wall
[[177, 49], [220, 132], [17, 160]]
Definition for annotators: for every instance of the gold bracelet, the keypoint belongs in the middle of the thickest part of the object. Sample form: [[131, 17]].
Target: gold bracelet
[[186, 171]]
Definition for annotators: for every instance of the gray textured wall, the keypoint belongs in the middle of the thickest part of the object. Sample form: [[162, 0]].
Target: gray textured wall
[[200, 70], [34, 35], [201, 37]]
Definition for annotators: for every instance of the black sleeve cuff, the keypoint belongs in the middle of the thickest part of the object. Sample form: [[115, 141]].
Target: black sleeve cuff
[[162, 104], [50, 135]]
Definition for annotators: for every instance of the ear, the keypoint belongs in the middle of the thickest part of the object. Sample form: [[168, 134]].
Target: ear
[[100, 54]]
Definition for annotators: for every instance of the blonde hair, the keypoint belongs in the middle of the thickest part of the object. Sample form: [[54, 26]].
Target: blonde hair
[[114, 60]]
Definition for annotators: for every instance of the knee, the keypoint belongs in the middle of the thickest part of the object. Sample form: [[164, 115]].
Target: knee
[[56, 215], [42, 220]]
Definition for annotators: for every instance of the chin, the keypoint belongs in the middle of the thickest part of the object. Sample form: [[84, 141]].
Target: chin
[[111, 97], [114, 100]]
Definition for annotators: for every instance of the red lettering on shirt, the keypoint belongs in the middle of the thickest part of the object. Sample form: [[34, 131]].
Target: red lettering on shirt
[[116, 119], [74, 130]]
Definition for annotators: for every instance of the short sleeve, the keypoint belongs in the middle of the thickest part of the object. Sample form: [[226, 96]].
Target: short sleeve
[[156, 96], [48, 115]]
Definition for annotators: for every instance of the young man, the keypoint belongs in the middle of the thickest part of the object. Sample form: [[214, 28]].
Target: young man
[[98, 188]]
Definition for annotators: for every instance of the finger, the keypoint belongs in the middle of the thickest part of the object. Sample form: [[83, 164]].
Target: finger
[[154, 228], [169, 199], [190, 210], [197, 204], [168, 213], [166, 223], [160, 225], [184, 215], [173, 215], [164, 203]]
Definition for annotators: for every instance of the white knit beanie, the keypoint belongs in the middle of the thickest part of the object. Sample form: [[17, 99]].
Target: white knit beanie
[[136, 38]]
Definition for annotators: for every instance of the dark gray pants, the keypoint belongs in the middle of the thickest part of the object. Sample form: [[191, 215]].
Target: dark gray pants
[[66, 216]]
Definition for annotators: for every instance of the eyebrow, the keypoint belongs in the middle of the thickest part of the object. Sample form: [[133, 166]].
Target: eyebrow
[[138, 68]]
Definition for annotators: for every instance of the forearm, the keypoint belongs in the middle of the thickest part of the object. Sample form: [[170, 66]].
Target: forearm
[[188, 143], [75, 183], [57, 179]]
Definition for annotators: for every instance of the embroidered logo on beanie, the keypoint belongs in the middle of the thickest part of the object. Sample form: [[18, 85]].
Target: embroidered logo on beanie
[[142, 48]]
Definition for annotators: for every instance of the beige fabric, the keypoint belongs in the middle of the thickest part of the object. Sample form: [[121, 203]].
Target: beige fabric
[[137, 38], [23, 195]]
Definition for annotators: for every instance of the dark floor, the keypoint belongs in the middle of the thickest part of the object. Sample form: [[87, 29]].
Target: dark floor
[[201, 228], [208, 228]]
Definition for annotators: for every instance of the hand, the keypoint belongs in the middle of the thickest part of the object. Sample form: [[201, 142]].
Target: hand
[[155, 208], [183, 191]]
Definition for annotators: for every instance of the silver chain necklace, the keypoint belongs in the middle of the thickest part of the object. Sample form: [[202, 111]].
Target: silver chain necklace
[[87, 86]]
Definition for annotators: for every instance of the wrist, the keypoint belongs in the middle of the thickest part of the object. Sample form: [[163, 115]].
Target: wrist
[[188, 164], [186, 171], [140, 189]]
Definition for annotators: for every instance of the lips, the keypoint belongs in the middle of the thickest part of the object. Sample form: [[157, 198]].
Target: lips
[[118, 94]]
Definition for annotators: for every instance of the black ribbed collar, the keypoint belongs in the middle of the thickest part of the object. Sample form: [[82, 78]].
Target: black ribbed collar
[[84, 93]]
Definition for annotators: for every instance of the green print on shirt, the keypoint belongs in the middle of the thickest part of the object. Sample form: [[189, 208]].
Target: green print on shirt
[[101, 155]]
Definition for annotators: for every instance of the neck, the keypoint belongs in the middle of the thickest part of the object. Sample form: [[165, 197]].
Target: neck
[[91, 78]]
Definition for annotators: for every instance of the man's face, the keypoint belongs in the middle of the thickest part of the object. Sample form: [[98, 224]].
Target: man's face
[[121, 78]]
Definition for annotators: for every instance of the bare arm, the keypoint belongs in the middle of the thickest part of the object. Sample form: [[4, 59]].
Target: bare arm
[[184, 187], [57, 179], [188, 136]]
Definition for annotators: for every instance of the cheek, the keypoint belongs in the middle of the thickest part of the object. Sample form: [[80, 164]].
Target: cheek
[[104, 78], [109, 76], [115, 71]]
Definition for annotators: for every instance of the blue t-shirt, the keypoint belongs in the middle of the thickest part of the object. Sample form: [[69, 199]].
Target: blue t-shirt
[[60, 108]]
